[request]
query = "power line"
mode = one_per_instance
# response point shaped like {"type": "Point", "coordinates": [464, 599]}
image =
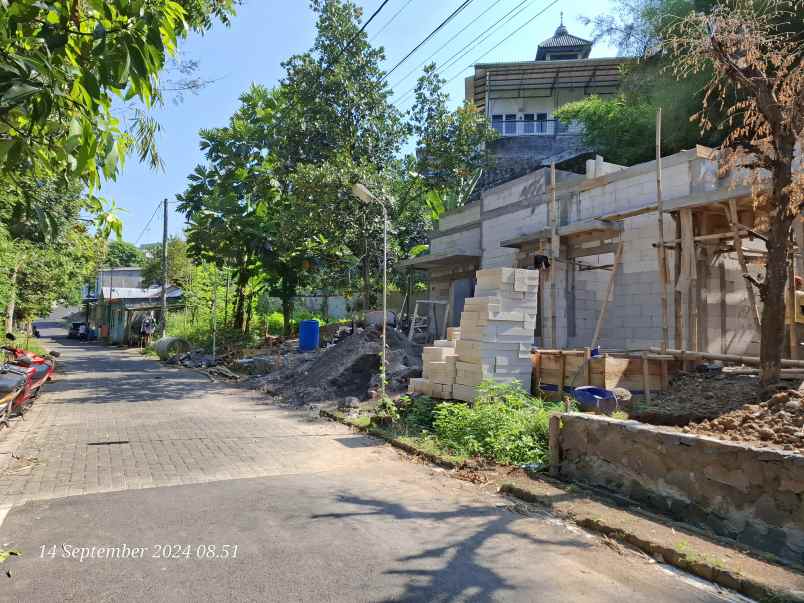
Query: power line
{"type": "Point", "coordinates": [468, 48]}
{"type": "Point", "coordinates": [429, 36]}
{"type": "Point", "coordinates": [389, 21]}
{"type": "Point", "coordinates": [360, 31]}
{"type": "Point", "coordinates": [484, 35]}
{"type": "Point", "coordinates": [501, 42]}
{"type": "Point", "coordinates": [419, 66]}
{"type": "Point", "coordinates": [156, 209]}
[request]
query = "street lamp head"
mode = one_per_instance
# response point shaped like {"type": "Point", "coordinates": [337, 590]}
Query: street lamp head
{"type": "Point", "coordinates": [364, 194]}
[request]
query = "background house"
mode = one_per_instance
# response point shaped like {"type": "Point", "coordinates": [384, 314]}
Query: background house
{"type": "Point", "coordinates": [521, 98]}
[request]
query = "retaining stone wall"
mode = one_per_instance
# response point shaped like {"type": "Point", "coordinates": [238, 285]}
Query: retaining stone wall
{"type": "Point", "coordinates": [753, 495]}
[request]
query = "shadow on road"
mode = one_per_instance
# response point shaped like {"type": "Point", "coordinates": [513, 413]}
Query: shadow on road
{"type": "Point", "coordinates": [462, 576]}
{"type": "Point", "coordinates": [99, 374]}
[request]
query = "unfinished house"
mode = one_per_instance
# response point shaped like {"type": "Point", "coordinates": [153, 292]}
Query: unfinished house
{"type": "Point", "coordinates": [595, 240]}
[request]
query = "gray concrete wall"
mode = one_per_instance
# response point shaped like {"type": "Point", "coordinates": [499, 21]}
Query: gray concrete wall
{"type": "Point", "coordinates": [752, 495]}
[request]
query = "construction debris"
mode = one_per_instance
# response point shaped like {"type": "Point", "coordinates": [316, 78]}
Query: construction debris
{"type": "Point", "coordinates": [493, 341]}
{"type": "Point", "coordinates": [347, 368]}
{"type": "Point", "coordinates": [778, 422]}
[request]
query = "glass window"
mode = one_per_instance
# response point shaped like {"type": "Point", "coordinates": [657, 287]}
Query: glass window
{"type": "Point", "coordinates": [510, 123]}
{"type": "Point", "coordinates": [541, 127]}
{"type": "Point", "coordinates": [528, 125]}
{"type": "Point", "coordinates": [497, 123]}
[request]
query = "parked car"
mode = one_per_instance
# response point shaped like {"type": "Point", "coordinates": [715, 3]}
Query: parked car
{"type": "Point", "coordinates": [75, 329]}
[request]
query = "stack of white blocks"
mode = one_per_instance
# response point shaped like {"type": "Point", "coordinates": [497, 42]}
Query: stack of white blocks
{"type": "Point", "coordinates": [497, 328]}
{"type": "Point", "coordinates": [493, 341]}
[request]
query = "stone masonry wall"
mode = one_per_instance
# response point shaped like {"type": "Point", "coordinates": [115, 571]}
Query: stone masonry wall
{"type": "Point", "coordinates": [752, 495]}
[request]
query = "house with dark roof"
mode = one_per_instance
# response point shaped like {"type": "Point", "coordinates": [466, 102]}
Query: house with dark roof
{"type": "Point", "coordinates": [521, 99]}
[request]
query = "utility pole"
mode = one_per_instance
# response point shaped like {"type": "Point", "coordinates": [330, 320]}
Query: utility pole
{"type": "Point", "coordinates": [164, 267]}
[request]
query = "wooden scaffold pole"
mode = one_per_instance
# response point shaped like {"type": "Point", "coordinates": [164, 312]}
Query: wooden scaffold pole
{"type": "Point", "coordinates": [662, 252]}
{"type": "Point", "coordinates": [731, 216]}
{"type": "Point", "coordinates": [555, 245]}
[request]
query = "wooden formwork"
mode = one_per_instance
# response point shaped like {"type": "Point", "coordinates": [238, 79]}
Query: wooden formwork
{"type": "Point", "coordinates": [561, 370]}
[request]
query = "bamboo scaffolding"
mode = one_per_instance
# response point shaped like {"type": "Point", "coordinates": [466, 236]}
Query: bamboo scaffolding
{"type": "Point", "coordinates": [555, 244]}
{"type": "Point", "coordinates": [737, 359]}
{"type": "Point", "coordinates": [609, 290]}
{"type": "Point", "coordinates": [731, 216]}
{"type": "Point", "coordinates": [662, 252]}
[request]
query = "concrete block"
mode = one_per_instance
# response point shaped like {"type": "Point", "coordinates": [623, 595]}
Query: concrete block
{"type": "Point", "coordinates": [465, 393]}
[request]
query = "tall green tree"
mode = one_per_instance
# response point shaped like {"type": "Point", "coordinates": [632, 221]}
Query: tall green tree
{"type": "Point", "coordinates": [340, 127]}
{"type": "Point", "coordinates": [451, 146]}
{"type": "Point", "coordinates": [122, 253]}
{"type": "Point", "coordinates": [179, 264]}
{"type": "Point", "coordinates": [621, 128]}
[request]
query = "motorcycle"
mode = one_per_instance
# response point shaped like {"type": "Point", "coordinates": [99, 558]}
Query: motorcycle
{"type": "Point", "coordinates": [22, 376]}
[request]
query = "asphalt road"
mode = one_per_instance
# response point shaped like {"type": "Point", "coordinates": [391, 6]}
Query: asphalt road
{"type": "Point", "coordinates": [138, 482]}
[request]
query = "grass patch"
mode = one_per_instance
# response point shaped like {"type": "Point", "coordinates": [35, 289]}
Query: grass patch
{"type": "Point", "coordinates": [505, 424]}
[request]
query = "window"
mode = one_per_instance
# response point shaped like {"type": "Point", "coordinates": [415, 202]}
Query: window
{"type": "Point", "coordinates": [497, 123]}
{"type": "Point", "coordinates": [510, 124]}
{"type": "Point", "coordinates": [528, 127]}
{"type": "Point", "coordinates": [541, 118]}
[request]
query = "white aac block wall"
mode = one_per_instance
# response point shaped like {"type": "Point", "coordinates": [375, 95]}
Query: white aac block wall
{"type": "Point", "coordinates": [460, 242]}
{"type": "Point", "coordinates": [508, 226]}
{"type": "Point", "coordinates": [460, 217]}
{"type": "Point", "coordinates": [630, 193]}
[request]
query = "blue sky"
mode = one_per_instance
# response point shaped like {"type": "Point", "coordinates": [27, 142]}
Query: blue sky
{"type": "Point", "coordinates": [266, 32]}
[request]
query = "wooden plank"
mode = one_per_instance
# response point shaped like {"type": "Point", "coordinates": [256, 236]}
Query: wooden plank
{"type": "Point", "coordinates": [731, 216]}
{"type": "Point", "coordinates": [660, 213]}
{"type": "Point", "coordinates": [645, 380]}
{"type": "Point", "coordinates": [555, 243]}
{"type": "Point", "coordinates": [723, 308]}
{"type": "Point", "coordinates": [678, 319]}
{"type": "Point", "coordinates": [609, 290]}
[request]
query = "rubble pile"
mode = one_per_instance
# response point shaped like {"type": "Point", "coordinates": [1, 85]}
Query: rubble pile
{"type": "Point", "coordinates": [349, 368]}
{"type": "Point", "coordinates": [695, 396]}
{"type": "Point", "coordinates": [777, 422]}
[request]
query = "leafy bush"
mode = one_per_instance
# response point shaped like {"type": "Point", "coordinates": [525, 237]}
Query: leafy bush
{"type": "Point", "coordinates": [505, 424]}
{"type": "Point", "coordinates": [418, 412]}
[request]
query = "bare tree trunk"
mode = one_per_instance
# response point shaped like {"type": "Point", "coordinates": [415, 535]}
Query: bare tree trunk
{"type": "Point", "coordinates": [773, 289]}
{"type": "Point", "coordinates": [240, 306]}
{"type": "Point", "coordinates": [287, 313]}
{"type": "Point", "coordinates": [249, 311]}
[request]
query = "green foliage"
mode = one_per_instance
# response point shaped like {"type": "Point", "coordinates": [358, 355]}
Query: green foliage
{"type": "Point", "coordinates": [418, 412]}
{"type": "Point", "coordinates": [123, 253]}
{"type": "Point", "coordinates": [504, 424]}
{"type": "Point", "coordinates": [179, 266]}
{"type": "Point", "coordinates": [451, 148]}
{"type": "Point", "coordinates": [616, 128]}
{"type": "Point", "coordinates": [61, 66]}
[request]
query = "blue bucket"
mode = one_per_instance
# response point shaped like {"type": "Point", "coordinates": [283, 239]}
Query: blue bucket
{"type": "Point", "coordinates": [595, 398]}
{"type": "Point", "coordinates": [309, 335]}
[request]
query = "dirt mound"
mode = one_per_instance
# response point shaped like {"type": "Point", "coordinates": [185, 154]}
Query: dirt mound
{"type": "Point", "coordinates": [349, 368]}
{"type": "Point", "coordinates": [778, 422]}
{"type": "Point", "coordinates": [693, 397]}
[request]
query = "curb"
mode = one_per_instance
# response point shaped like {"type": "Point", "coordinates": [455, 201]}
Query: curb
{"type": "Point", "coordinates": [700, 568]}
{"type": "Point", "coordinates": [429, 456]}
{"type": "Point", "coordinates": [731, 580]}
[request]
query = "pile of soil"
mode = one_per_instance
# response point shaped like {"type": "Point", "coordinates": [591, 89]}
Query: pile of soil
{"type": "Point", "coordinates": [778, 422]}
{"type": "Point", "coordinates": [694, 397]}
{"type": "Point", "coordinates": [349, 368]}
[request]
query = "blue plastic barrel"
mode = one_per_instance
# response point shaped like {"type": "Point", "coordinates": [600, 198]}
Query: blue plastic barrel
{"type": "Point", "coordinates": [594, 398]}
{"type": "Point", "coordinates": [309, 335]}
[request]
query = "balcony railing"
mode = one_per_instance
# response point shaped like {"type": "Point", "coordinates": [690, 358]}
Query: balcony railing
{"type": "Point", "coordinates": [543, 127]}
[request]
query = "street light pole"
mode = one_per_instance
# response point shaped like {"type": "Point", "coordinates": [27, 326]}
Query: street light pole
{"type": "Point", "coordinates": [362, 193]}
